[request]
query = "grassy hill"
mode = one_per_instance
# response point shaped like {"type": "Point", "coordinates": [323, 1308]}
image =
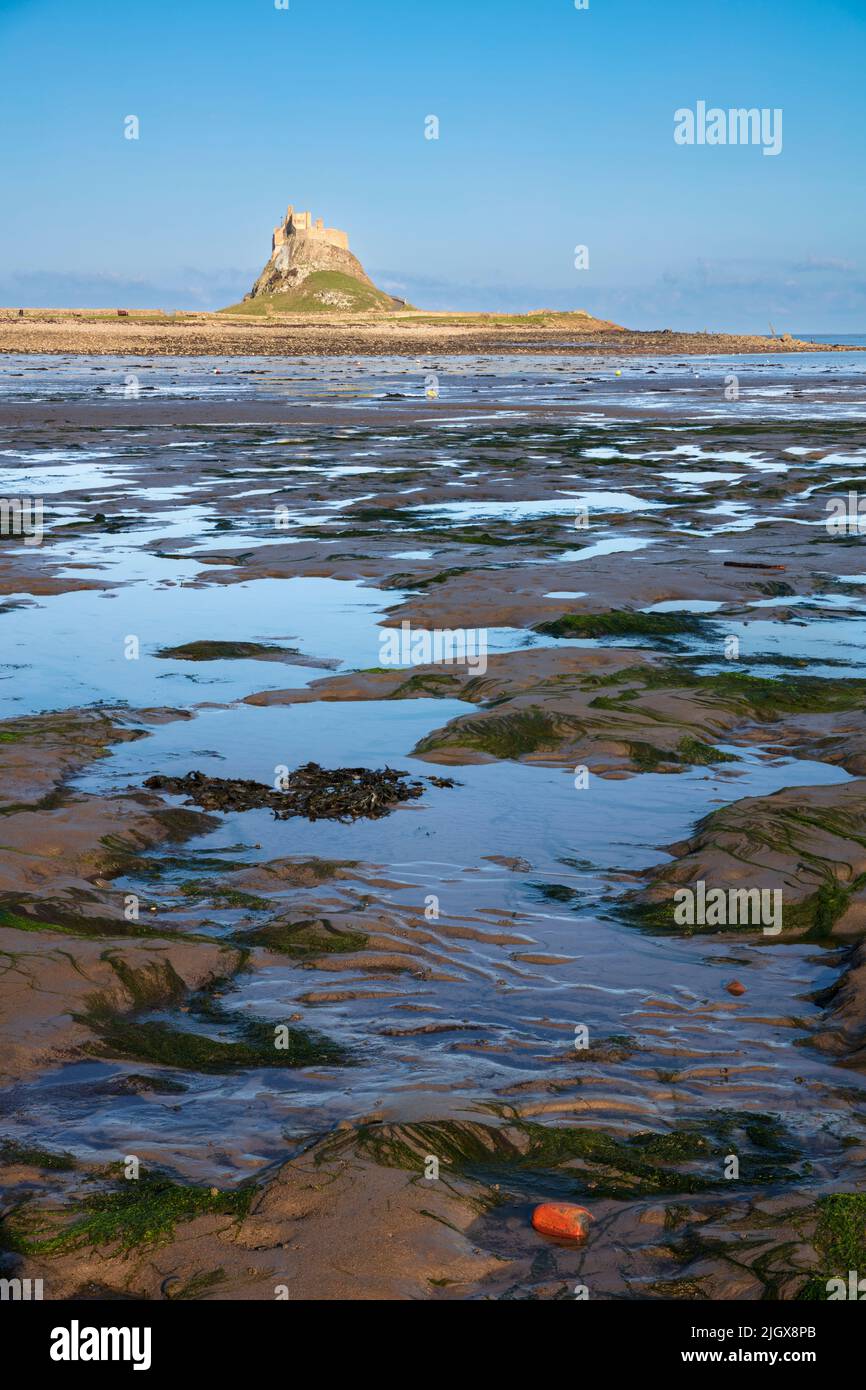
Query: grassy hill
{"type": "Point", "coordinates": [323, 291]}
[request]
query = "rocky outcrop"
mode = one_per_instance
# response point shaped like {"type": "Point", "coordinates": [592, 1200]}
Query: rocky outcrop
{"type": "Point", "coordinates": [302, 247]}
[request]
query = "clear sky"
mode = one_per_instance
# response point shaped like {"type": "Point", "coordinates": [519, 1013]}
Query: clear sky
{"type": "Point", "coordinates": [556, 130]}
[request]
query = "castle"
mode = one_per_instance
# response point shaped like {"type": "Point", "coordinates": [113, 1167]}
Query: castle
{"type": "Point", "coordinates": [302, 224]}
{"type": "Point", "coordinates": [314, 262]}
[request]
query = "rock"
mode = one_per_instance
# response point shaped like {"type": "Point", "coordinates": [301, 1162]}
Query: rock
{"type": "Point", "coordinates": [306, 250]}
{"type": "Point", "coordinates": [565, 1220]}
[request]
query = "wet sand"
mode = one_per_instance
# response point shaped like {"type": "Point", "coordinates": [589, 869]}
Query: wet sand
{"type": "Point", "coordinates": [672, 691]}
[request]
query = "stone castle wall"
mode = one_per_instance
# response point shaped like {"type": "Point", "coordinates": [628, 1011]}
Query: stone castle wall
{"type": "Point", "coordinates": [302, 224]}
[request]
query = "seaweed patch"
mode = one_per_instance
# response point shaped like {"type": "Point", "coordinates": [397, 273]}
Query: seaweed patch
{"type": "Point", "coordinates": [311, 791]}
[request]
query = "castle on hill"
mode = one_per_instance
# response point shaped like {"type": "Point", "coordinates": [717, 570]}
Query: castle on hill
{"type": "Point", "coordinates": [302, 224]}
{"type": "Point", "coordinates": [314, 261]}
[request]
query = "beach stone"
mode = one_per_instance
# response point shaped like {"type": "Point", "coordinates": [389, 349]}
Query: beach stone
{"type": "Point", "coordinates": [565, 1220]}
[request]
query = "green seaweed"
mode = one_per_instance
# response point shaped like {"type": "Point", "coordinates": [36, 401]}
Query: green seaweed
{"type": "Point", "coordinates": [159, 1044]}
{"type": "Point", "coordinates": [223, 897]}
{"type": "Point", "coordinates": [765, 697]}
{"type": "Point", "coordinates": [224, 651]}
{"type": "Point", "coordinates": [70, 924]}
{"type": "Point", "coordinates": [32, 1157]}
{"type": "Point", "coordinates": [307, 937]}
{"type": "Point", "coordinates": [840, 1240]}
{"type": "Point", "coordinates": [137, 1213]}
{"type": "Point", "coordinates": [620, 622]}
{"type": "Point", "coordinates": [587, 1160]}
{"type": "Point", "coordinates": [148, 986]}
{"type": "Point", "coordinates": [257, 1043]}
{"type": "Point", "coordinates": [817, 914]}
{"type": "Point", "coordinates": [700, 754]}
{"type": "Point", "coordinates": [428, 683]}
{"type": "Point", "coordinates": [505, 735]}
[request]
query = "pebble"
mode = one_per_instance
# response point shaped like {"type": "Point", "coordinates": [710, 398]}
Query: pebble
{"type": "Point", "coordinates": [563, 1219]}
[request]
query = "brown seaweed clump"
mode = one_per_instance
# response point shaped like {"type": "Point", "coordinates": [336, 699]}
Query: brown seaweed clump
{"type": "Point", "coordinates": [317, 793]}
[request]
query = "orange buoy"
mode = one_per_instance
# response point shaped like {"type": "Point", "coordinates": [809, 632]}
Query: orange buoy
{"type": "Point", "coordinates": [735, 987]}
{"type": "Point", "coordinates": [563, 1219]}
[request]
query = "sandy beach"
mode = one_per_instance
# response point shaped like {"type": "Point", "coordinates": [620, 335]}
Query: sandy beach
{"type": "Point", "coordinates": [451, 1007]}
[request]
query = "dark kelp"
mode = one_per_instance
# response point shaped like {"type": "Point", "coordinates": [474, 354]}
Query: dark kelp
{"type": "Point", "coordinates": [317, 793]}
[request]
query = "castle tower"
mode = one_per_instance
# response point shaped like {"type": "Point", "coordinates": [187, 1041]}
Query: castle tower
{"type": "Point", "coordinates": [301, 246]}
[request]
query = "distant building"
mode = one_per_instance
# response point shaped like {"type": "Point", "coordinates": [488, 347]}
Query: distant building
{"type": "Point", "coordinates": [302, 224]}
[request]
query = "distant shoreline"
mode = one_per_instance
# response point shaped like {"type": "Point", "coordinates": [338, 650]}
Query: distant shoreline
{"type": "Point", "coordinates": [154, 334]}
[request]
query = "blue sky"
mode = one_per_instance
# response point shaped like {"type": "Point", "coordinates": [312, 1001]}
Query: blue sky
{"type": "Point", "coordinates": [556, 129]}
